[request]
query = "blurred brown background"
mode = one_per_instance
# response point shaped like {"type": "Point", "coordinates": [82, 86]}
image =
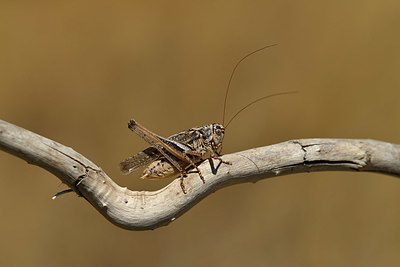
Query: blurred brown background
{"type": "Point", "coordinates": [77, 71]}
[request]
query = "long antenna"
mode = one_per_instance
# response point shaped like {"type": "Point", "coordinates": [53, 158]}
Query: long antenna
{"type": "Point", "coordinates": [231, 77]}
{"type": "Point", "coordinates": [255, 101]}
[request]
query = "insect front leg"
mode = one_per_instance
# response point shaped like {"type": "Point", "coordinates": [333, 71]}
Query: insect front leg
{"type": "Point", "coordinates": [215, 155]}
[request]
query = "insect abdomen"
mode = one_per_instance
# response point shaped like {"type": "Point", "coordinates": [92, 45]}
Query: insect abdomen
{"type": "Point", "coordinates": [161, 169]}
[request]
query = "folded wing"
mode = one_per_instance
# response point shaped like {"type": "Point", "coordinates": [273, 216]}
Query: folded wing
{"type": "Point", "coordinates": [138, 160]}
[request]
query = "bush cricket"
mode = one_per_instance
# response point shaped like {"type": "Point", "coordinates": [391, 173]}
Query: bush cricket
{"type": "Point", "coordinates": [169, 156]}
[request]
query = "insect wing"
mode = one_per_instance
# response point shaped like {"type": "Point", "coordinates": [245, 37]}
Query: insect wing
{"type": "Point", "coordinates": [136, 161]}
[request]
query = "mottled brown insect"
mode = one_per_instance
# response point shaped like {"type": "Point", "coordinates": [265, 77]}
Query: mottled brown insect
{"type": "Point", "coordinates": [169, 156]}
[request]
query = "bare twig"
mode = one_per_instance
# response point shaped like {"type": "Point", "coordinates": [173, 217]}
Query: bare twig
{"type": "Point", "coordinates": [144, 210]}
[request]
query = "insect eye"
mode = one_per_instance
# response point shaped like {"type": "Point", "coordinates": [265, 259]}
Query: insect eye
{"type": "Point", "coordinates": [218, 131]}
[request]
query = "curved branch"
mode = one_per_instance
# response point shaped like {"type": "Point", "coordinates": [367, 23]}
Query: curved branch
{"type": "Point", "coordinates": [145, 210]}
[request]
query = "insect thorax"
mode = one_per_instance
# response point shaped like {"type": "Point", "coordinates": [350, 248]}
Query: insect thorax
{"type": "Point", "coordinates": [207, 138]}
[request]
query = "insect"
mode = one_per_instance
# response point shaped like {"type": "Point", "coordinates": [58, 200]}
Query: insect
{"type": "Point", "coordinates": [177, 153]}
